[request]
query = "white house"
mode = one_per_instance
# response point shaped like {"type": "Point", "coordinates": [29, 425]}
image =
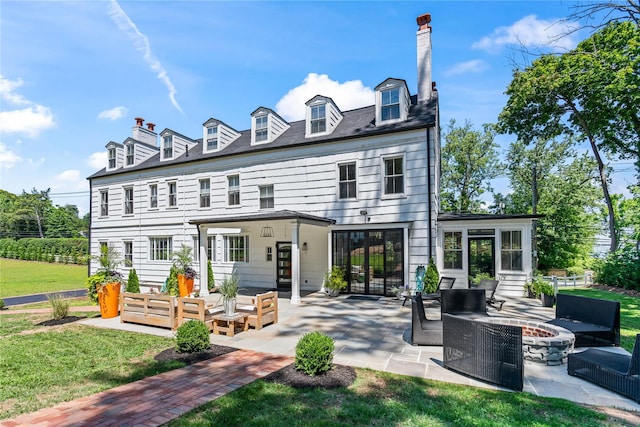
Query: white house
{"type": "Point", "coordinates": [280, 203]}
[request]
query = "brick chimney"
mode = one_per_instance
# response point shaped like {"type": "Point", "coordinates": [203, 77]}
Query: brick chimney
{"type": "Point", "coordinates": [423, 39]}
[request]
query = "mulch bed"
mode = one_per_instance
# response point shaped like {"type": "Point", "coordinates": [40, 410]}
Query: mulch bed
{"type": "Point", "coordinates": [190, 358]}
{"type": "Point", "coordinates": [623, 291]}
{"type": "Point", "coordinates": [58, 322]}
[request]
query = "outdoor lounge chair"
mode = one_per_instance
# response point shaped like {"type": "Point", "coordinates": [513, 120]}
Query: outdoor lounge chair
{"type": "Point", "coordinates": [445, 283]}
{"type": "Point", "coordinates": [490, 287]}
{"type": "Point", "coordinates": [615, 371]}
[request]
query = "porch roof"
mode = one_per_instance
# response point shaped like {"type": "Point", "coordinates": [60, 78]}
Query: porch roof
{"type": "Point", "coordinates": [450, 216]}
{"type": "Point", "coordinates": [267, 216]}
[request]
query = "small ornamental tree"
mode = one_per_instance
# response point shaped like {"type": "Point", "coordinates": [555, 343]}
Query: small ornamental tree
{"type": "Point", "coordinates": [431, 278]}
{"type": "Point", "coordinates": [211, 284]}
{"type": "Point", "coordinates": [133, 284]}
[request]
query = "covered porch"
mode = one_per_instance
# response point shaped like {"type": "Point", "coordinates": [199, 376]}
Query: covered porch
{"type": "Point", "coordinates": [283, 250]}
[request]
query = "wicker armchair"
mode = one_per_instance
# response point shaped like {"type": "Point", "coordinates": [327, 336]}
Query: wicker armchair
{"type": "Point", "coordinates": [617, 372]}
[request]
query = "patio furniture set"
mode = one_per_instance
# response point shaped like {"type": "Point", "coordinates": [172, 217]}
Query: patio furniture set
{"type": "Point", "coordinates": [493, 349]}
{"type": "Point", "coordinates": [171, 312]}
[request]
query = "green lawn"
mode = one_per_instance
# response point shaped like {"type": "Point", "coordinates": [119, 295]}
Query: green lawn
{"type": "Point", "coordinates": [31, 277]}
{"type": "Point", "coordinates": [629, 312]}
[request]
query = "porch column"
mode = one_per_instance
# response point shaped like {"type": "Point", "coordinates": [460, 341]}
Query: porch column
{"type": "Point", "coordinates": [295, 263]}
{"type": "Point", "coordinates": [202, 248]}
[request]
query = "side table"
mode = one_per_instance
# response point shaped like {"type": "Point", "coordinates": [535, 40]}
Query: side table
{"type": "Point", "coordinates": [227, 324]}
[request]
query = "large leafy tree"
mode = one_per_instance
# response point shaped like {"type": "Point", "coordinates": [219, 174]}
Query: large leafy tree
{"type": "Point", "coordinates": [469, 163]}
{"type": "Point", "coordinates": [591, 92]}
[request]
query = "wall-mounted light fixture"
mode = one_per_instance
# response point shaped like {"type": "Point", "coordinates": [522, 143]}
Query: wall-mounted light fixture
{"type": "Point", "coordinates": [364, 214]}
{"type": "Point", "coordinates": [266, 231]}
{"type": "Point", "coordinates": [305, 246]}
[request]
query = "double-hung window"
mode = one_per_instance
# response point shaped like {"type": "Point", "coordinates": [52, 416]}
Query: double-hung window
{"type": "Point", "coordinates": [394, 175]}
{"type": "Point", "coordinates": [128, 200]}
{"type": "Point", "coordinates": [453, 250]}
{"type": "Point", "coordinates": [173, 194]}
{"type": "Point", "coordinates": [112, 158]}
{"type": "Point", "coordinates": [104, 203]}
{"type": "Point", "coordinates": [318, 119]}
{"type": "Point", "coordinates": [262, 128]}
{"type": "Point", "coordinates": [212, 138]}
{"type": "Point", "coordinates": [266, 197]}
{"type": "Point", "coordinates": [234, 190]}
{"type": "Point", "coordinates": [236, 248]}
{"type": "Point", "coordinates": [205, 193]}
{"type": "Point", "coordinates": [511, 250]}
{"type": "Point", "coordinates": [128, 252]}
{"type": "Point", "coordinates": [347, 180]}
{"type": "Point", "coordinates": [153, 195]}
{"type": "Point", "coordinates": [130, 154]}
{"type": "Point", "coordinates": [167, 146]}
{"type": "Point", "coordinates": [390, 104]}
{"type": "Point", "coordinates": [160, 248]}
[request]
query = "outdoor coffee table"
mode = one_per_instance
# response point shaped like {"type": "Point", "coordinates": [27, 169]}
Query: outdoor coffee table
{"type": "Point", "coordinates": [227, 324]}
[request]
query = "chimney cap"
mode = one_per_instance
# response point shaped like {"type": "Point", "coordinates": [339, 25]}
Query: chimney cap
{"type": "Point", "coordinates": [139, 121]}
{"type": "Point", "coordinates": [423, 21]}
{"type": "Point", "coordinates": [151, 126]}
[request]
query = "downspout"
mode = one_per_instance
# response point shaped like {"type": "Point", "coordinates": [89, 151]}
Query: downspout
{"type": "Point", "coordinates": [89, 230]}
{"type": "Point", "coordinates": [429, 231]}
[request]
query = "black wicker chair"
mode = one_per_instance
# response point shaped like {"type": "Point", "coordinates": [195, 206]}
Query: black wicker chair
{"type": "Point", "coordinates": [444, 283]}
{"type": "Point", "coordinates": [617, 372]}
{"type": "Point", "coordinates": [488, 352]}
{"type": "Point", "coordinates": [490, 286]}
{"type": "Point", "coordinates": [423, 330]}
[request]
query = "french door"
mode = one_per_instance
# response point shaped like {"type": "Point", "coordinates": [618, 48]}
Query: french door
{"type": "Point", "coordinates": [283, 266]}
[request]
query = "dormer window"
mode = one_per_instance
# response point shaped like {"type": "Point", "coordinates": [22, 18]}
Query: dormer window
{"type": "Point", "coordinates": [390, 104]}
{"type": "Point", "coordinates": [112, 157]}
{"type": "Point", "coordinates": [167, 147]}
{"type": "Point", "coordinates": [318, 119]}
{"type": "Point", "coordinates": [130, 155]}
{"type": "Point", "coordinates": [262, 128]}
{"type": "Point", "coordinates": [212, 138]}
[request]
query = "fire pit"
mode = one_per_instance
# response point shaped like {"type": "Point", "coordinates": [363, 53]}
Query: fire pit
{"type": "Point", "coordinates": [541, 342]}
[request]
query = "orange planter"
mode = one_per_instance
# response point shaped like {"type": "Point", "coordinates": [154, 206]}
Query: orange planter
{"type": "Point", "coordinates": [109, 300]}
{"type": "Point", "coordinates": [185, 285]}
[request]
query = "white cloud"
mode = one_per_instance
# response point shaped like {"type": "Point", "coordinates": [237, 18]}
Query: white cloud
{"type": "Point", "coordinates": [29, 121]}
{"type": "Point", "coordinates": [347, 95]}
{"type": "Point", "coordinates": [71, 175]}
{"type": "Point", "coordinates": [114, 113]}
{"type": "Point", "coordinates": [531, 32]}
{"type": "Point", "coordinates": [98, 160]}
{"type": "Point", "coordinates": [141, 42]}
{"type": "Point", "coordinates": [8, 158]}
{"type": "Point", "coordinates": [473, 66]}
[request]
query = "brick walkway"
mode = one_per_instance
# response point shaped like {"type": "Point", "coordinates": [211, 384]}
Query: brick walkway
{"type": "Point", "coordinates": [159, 399]}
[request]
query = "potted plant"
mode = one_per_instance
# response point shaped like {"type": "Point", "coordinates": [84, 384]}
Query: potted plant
{"type": "Point", "coordinates": [182, 260]}
{"type": "Point", "coordinates": [546, 294]}
{"type": "Point", "coordinates": [334, 281]}
{"type": "Point", "coordinates": [229, 291]}
{"type": "Point", "coordinates": [529, 289]}
{"type": "Point", "coordinates": [107, 281]}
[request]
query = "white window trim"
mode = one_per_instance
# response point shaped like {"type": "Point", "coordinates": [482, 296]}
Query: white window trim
{"type": "Point", "coordinates": [162, 151]}
{"type": "Point", "coordinates": [177, 204]}
{"type": "Point", "coordinates": [153, 184]}
{"type": "Point", "coordinates": [461, 250]}
{"type": "Point", "coordinates": [200, 193]}
{"type": "Point", "coordinates": [522, 251]}
{"type": "Point", "coordinates": [128, 262]}
{"type": "Point", "coordinates": [101, 192]}
{"type": "Point", "coordinates": [346, 162]}
{"type": "Point", "coordinates": [239, 204]}
{"type": "Point", "coordinates": [133, 155]}
{"type": "Point", "coordinates": [207, 138]}
{"type": "Point", "coordinates": [383, 195]}
{"type": "Point", "coordinates": [169, 248]}
{"type": "Point", "coordinates": [124, 200]}
{"type": "Point", "coordinates": [254, 131]}
{"type": "Point", "coordinates": [110, 158]}
{"type": "Point", "coordinates": [273, 196]}
{"type": "Point", "coordinates": [226, 249]}
{"type": "Point", "coordinates": [402, 94]}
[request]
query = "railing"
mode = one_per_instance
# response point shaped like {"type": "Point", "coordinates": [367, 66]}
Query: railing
{"type": "Point", "coordinates": [557, 281]}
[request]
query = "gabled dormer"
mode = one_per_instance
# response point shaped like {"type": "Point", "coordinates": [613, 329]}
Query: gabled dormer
{"type": "Point", "coordinates": [322, 116]}
{"type": "Point", "coordinates": [173, 145]}
{"type": "Point", "coordinates": [216, 135]}
{"type": "Point", "coordinates": [266, 126]}
{"type": "Point", "coordinates": [115, 155]}
{"type": "Point", "coordinates": [392, 102]}
{"type": "Point", "coordinates": [136, 152]}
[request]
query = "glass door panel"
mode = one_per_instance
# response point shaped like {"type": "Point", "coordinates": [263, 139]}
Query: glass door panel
{"type": "Point", "coordinates": [283, 266]}
{"type": "Point", "coordinates": [482, 256]}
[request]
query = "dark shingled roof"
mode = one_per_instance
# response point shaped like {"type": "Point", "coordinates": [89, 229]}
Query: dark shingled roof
{"type": "Point", "coordinates": [276, 215]}
{"type": "Point", "coordinates": [355, 124]}
{"type": "Point", "coordinates": [450, 216]}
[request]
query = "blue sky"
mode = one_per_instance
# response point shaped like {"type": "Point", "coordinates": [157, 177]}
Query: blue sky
{"type": "Point", "coordinates": [74, 75]}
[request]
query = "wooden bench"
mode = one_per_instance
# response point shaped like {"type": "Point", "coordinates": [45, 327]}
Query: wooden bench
{"type": "Point", "coordinates": [262, 311]}
{"type": "Point", "coordinates": [148, 309]}
{"type": "Point", "coordinates": [196, 309]}
{"type": "Point", "coordinates": [593, 321]}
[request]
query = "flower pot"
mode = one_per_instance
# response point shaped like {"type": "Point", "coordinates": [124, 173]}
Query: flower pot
{"type": "Point", "coordinates": [547, 300]}
{"type": "Point", "coordinates": [185, 285]}
{"type": "Point", "coordinates": [109, 299]}
{"type": "Point", "coordinates": [333, 292]}
{"type": "Point", "coordinates": [229, 306]}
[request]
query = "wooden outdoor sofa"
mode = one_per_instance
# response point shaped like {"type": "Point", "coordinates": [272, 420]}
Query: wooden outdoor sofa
{"type": "Point", "coordinates": [594, 322]}
{"type": "Point", "coordinates": [148, 309]}
{"type": "Point", "coordinates": [617, 372]}
{"type": "Point", "coordinates": [263, 309]}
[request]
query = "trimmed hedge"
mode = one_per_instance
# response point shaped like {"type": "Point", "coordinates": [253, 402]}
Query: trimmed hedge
{"type": "Point", "coordinates": [63, 250]}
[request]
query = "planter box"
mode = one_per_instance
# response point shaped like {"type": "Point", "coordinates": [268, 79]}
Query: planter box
{"type": "Point", "coordinates": [148, 309]}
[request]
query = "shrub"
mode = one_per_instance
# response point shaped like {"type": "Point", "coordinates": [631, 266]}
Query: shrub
{"type": "Point", "coordinates": [192, 336]}
{"type": "Point", "coordinates": [314, 353]}
{"type": "Point", "coordinates": [60, 306]}
{"type": "Point", "coordinates": [620, 269]}
{"type": "Point", "coordinates": [211, 284]}
{"type": "Point", "coordinates": [2, 304]}
{"type": "Point", "coordinates": [92, 284]}
{"type": "Point", "coordinates": [133, 284]}
{"type": "Point", "coordinates": [431, 278]}
{"type": "Point", "coordinates": [171, 284]}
